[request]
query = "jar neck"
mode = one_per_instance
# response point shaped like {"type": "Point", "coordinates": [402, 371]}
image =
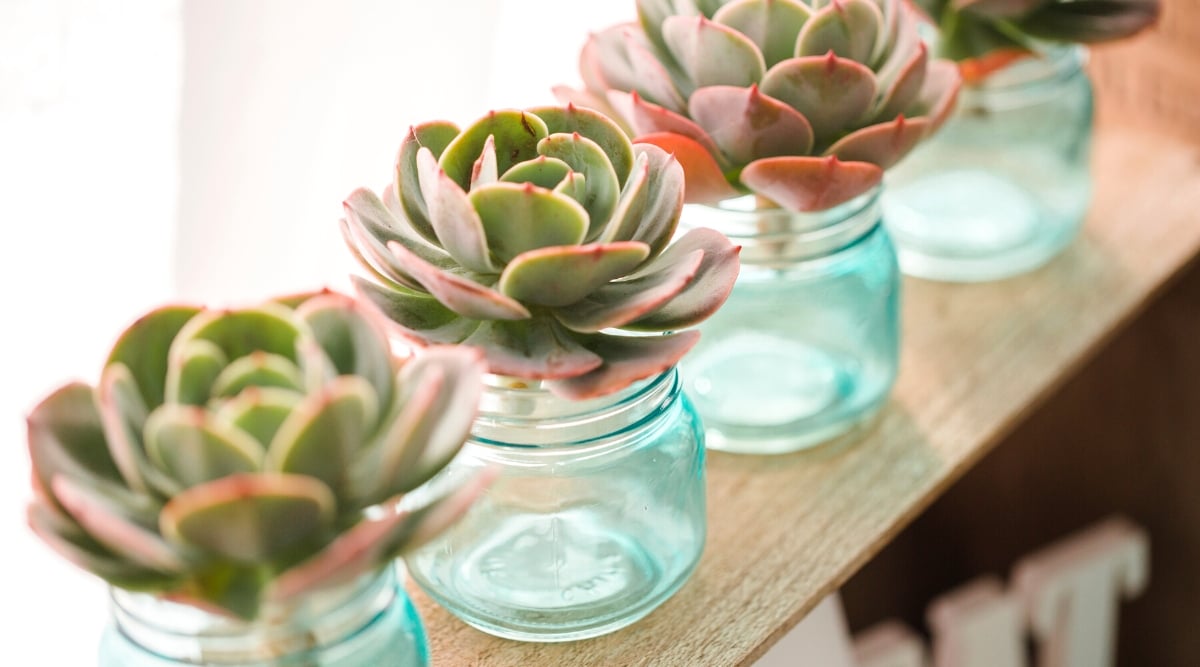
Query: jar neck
{"type": "Point", "coordinates": [1028, 80]}
{"type": "Point", "coordinates": [525, 414]}
{"type": "Point", "coordinates": [190, 635]}
{"type": "Point", "coordinates": [777, 237]}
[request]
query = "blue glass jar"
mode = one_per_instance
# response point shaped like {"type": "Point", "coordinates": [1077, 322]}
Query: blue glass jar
{"type": "Point", "coordinates": [1004, 186]}
{"type": "Point", "coordinates": [806, 348]}
{"type": "Point", "coordinates": [370, 623]}
{"type": "Point", "coordinates": [597, 515]}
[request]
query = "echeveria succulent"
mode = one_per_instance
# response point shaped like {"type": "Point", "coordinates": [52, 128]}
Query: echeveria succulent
{"type": "Point", "coordinates": [533, 235]}
{"type": "Point", "coordinates": [236, 458]}
{"type": "Point", "coordinates": [984, 35]}
{"type": "Point", "coordinates": [803, 104]}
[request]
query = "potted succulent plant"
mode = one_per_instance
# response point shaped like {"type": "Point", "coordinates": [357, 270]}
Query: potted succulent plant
{"type": "Point", "coordinates": [784, 115]}
{"type": "Point", "coordinates": [542, 238]}
{"type": "Point", "coordinates": [1005, 187]}
{"type": "Point", "coordinates": [235, 476]}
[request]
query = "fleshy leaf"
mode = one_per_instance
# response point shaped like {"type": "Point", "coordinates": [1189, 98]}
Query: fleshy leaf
{"type": "Point", "coordinates": [66, 437]}
{"type": "Point", "coordinates": [325, 433]}
{"type": "Point", "coordinates": [143, 348]}
{"type": "Point", "coordinates": [257, 369]}
{"type": "Point", "coordinates": [810, 183]}
{"type": "Point", "coordinates": [454, 220]}
{"type": "Point", "coordinates": [883, 145]}
{"type": "Point", "coordinates": [648, 118]}
{"type": "Point", "coordinates": [442, 387]}
{"type": "Point", "coordinates": [124, 529]}
{"type": "Point", "coordinates": [649, 208]}
{"type": "Point", "coordinates": [189, 446]}
{"type": "Point", "coordinates": [250, 518]}
{"type": "Point", "coordinates": [537, 276]}
{"type": "Point", "coordinates": [600, 181]}
{"type": "Point", "coordinates": [628, 62]}
{"type": "Point", "coordinates": [421, 314]}
{"type": "Point", "coordinates": [831, 92]}
{"type": "Point", "coordinates": [747, 125]}
{"type": "Point", "coordinates": [194, 368]}
{"type": "Point", "coordinates": [486, 169]}
{"type": "Point", "coordinates": [706, 292]}
{"type": "Point", "coordinates": [435, 136]}
{"type": "Point", "coordinates": [522, 217]}
{"type": "Point", "coordinates": [705, 182]}
{"type": "Point", "coordinates": [848, 28]}
{"type": "Point", "coordinates": [627, 359]}
{"type": "Point", "coordinates": [595, 126]}
{"type": "Point", "coordinates": [94, 559]}
{"type": "Point", "coordinates": [772, 24]}
{"type": "Point", "coordinates": [619, 303]}
{"type": "Point", "coordinates": [462, 295]}
{"type": "Point", "coordinates": [712, 54]}
{"type": "Point", "coordinates": [123, 414]}
{"type": "Point", "coordinates": [373, 542]}
{"type": "Point", "coordinates": [542, 171]}
{"type": "Point", "coordinates": [268, 328]}
{"type": "Point", "coordinates": [353, 340]}
{"type": "Point", "coordinates": [374, 227]}
{"type": "Point", "coordinates": [1090, 21]}
{"type": "Point", "coordinates": [536, 348]}
{"type": "Point", "coordinates": [516, 135]}
{"type": "Point", "coordinates": [259, 411]}
{"type": "Point", "coordinates": [938, 95]}
{"type": "Point", "coordinates": [907, 86]}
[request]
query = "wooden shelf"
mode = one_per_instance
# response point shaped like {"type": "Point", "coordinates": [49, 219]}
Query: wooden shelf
{"type": "Point", "coordinates": [786, 531]}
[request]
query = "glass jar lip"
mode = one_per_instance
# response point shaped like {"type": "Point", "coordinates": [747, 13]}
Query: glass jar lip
{"type": "Point", "coordinates": [547, 422]}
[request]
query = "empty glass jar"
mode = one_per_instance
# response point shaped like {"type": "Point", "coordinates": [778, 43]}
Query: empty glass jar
{"type": "Point", "coordinates": [596, 518]}
{"type": "Point", "coordinates": [1004, 186]}
{"type": "Point", "coordinates": [807, 346]}
{"type": "Point", "coordinates": [369, 623]}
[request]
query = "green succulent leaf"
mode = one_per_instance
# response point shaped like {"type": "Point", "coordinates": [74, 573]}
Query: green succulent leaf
{"type": "Point", "coordinates": [538, 347]}
{"type": "Point", "coordinates": [848, 28]}
{"type": "Point", "coordinates": [194, 368]}
{"type": "Point", "coordinates": [238, 333]}
{"type": "Point", "coordinates": [144, 347]}
{"type": "Point", "coordinates": [618, 303]}
{"type": "Point", "coordinates": [648, 210]}
{"type": "Point", "coordinates": [713, 54]}
{"type": "Point", "coordinates": [123, 415]}
{"type": "Point", "coordinates": [258, 369]}
{"type": "Point", "coordinates": [519, 218]}
{"type": "Point", "coordinates": [325, 433]}
{"type": "Point", "coordinates": [771, 24]}
{"type": "Point", "coordinates": [602, 185]}
{"type": "Point", "coordinates": [250, 518]}
{"type": "Point", "coordinates": [707, 290]}
{"type": "Point", "coordinates": [627, 359]}
{"type": "Point", "coordinates": [536, 276]}
{"type": "Point", "coordinates": [119, 520]}
{"type": "Point", "coordinates": [435, 136]}
{"type": "Point", "coordinates": [542, 171]}
{"type": "Point", "coordinates": [831, 92]}
{"type": "Point", "coordinates": [259, 411]}
{"type": "Point", "coordinates": [353, 341]}
{"type": "Point", "coordinates": [417, 312]}
{"type": "Point", "coordinates": [747, 125]}
{"type": "Point", "coordinates": [596, 127]}
{"type": "Point", "coordinates": [516, 135]}
{"type": "Point", "coordinates": [192, 447]}
{"type": "Point", "coordinates": [455, 222]}
{"type": "Point", "coordinates": [461, 294]}
{"type": "Point", "coordinates": [66, 437]}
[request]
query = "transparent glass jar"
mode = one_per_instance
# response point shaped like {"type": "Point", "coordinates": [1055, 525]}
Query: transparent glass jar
{"type": "Point", "coordinates": [806, 348]}
{"type": "Point", "coordinates": [1004, 186]}
{"type": "Point", "coordinates": [370, 623]}
{"type": "Point", "coordinates": [596, 518]}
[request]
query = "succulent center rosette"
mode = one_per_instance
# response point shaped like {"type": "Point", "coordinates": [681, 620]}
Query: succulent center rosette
{"type": "Point", "coordinates": [985, 35]}
{"type": "Point", "coordinates": [802, 104]}
{"type": "Point", "coordinates": [540, 237]}
{"type": "Point", "coordinates": [237, 459]}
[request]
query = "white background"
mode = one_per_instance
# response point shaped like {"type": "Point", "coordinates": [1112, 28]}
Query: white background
{"type": "Point", "coordinates": [153, 150]}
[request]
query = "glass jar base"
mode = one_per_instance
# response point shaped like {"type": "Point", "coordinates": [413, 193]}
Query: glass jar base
{"type": "Point", "coordinates": [556, 578]}
{"type": "Point", "coordinates": [761, 394]}
{"type": "Point", "coordinates": [971, 225]}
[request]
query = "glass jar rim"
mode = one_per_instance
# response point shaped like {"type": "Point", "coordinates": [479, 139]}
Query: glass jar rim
{"type": "Point", "coordinates": [545, 421]}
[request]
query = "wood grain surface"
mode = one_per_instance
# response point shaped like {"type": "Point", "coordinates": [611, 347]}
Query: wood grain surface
{"type": "Point", "coordinates": [785, 531]}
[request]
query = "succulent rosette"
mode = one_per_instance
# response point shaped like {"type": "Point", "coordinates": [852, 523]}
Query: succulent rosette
{"type": "Point", "coordinates": [543, 238]}
{"type": "Point", "coordinates": [984, 35]}
{"type": "Point", "coordinates": [237, 459]}
{"type": "Point", "coordinates": [802, 104]}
